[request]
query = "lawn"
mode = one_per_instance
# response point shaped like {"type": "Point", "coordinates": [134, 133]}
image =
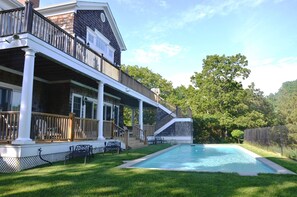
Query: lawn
{"type": "Point", "coordinates": [100, 177]}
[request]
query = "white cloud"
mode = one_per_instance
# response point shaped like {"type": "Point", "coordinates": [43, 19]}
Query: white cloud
{"type": "Point", "coordinates": [211, 8]}
{"type": "Point", "coordinates": [202, 10]}
{"type": "Point", "coordinates": [182, 78]}
{"type": "Point", "coordinates": [168, 49]}
{"type": "Point", "coordinates": [269, 74]}
{"type": "Point", "coordinates": [144, 57]}
{"type": "Point", "coordinates": [154, 53]}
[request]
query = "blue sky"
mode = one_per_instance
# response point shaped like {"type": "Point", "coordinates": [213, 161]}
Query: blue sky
{"type": "Point", "coordinates": [172, 37]}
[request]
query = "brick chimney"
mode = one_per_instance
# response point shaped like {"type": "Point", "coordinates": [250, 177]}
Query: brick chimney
{"type": "Point", "coordinates": [34, 2]}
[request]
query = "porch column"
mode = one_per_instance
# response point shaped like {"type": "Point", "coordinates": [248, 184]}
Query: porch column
{"type": "Point", "coordinates": [100, 105]}
{"type": "Point", "coordinates": [140, 119]}
{"type": "Point", "coordinates": [26, 99]}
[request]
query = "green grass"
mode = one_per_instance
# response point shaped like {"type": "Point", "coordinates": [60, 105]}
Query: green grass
{"type": "Point", "coordinates": [275, 157]}
{"type": "Point", "coordinates": [100, 177]}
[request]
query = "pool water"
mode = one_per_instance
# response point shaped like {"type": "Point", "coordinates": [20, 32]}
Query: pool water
{"type": "Point", "coordinates": [211, 158]}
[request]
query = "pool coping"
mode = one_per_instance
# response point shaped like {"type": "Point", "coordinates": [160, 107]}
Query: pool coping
{"type": "Point", "coordinates": [279, 169]}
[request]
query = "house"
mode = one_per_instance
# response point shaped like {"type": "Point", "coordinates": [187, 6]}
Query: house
{"type": "Point", "coordinates": [61, 84]}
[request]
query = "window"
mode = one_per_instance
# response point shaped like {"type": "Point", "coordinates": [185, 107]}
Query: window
{"type": "Point", "coordinates": [110, 53]}
{"type": "Point", "coordinates": [5, 99]}
{"type": "Point", "coordinates": [16, 100]}
{"type": "Point", "coordinates": [116, 114]}
{"type": "Point", "coordinates": [107, 111]}
{"type": "Point", "coordinates": [77, 105]}
{"type": "Point", "coordinates": [100, 43]}
{"type": "Point", "coordinates": [10, 97]}
{"type": "Point", "coordinates": [91, 38]}
{"type": "Point", "coordinates": [111, 112]}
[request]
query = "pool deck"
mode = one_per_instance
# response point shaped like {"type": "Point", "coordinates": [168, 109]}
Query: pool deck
{"type": "Point", "coordinates": [279, 169]}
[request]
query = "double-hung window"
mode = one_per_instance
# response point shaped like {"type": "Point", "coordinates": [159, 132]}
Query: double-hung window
{"type": "Point", "coordinates": [98, 42]}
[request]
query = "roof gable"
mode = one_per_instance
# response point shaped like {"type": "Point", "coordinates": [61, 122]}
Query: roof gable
{"type": "Point", "coordinates": [73, 6]}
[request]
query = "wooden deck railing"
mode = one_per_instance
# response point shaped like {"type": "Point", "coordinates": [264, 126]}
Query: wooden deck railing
{"type": "Point", "coordinates": [121, 134]}
{"type": "Point", "coordinates": [108, 129]}
{"type": "Point", "coordinates": [85, 129]}
{"type": "Point", "coordinates": [138, 133]}
{"type": "Point", "coordinates": [47, 127]}
{"type": "Point", "coordinates": [149, 129]}
{"type": "Point", "coordinates": [12, 22]}
{"type": "Point", "coordinates": [9, 125]}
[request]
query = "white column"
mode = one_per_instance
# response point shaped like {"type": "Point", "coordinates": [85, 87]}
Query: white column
{"type": "Point", "coordinates": [26, 99]}
{"type": "Point", "coordinates": [140, 119]}
{"type": "Point", "coordinates": [100, 105]}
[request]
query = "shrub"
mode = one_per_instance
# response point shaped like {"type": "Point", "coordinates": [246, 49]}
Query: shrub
{"type": "Point", "coordinates": [238, 134]}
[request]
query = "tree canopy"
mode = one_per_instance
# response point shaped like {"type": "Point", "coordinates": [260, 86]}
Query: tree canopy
{"type": "Point", "coordinates": [285, 102]}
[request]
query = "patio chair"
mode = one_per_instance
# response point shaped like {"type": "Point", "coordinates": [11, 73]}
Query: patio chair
{"type": "Point", "coordinates": [41, 127]}
{"type": "Point", "coordinates": [11, 127]}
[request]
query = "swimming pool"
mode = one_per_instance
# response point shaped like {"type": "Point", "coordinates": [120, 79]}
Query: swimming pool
{"type": "Point", "coordinates": [210, 158]}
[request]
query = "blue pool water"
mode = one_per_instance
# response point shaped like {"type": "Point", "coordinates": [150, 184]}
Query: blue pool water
{"type": "Point", "coordinates": [211, 158]}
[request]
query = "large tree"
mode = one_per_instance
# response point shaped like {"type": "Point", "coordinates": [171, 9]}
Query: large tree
{"type": "Point", "coordinates": [221, 103]}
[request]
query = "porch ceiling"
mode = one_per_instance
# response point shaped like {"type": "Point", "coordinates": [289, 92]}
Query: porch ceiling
{"type": "Point", "coordinates": [125, 99]}
{"type": "Point", "coordinates": [50, 70]}
{"type": "Point", "coordinates": [45, 68]}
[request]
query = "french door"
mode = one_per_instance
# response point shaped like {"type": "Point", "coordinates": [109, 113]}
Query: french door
{"type": "Point", "coordinates": [84, 107]}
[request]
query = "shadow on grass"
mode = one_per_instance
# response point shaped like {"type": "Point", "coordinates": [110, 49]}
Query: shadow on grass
{"type": "Point", "coordinates": [100, 177]}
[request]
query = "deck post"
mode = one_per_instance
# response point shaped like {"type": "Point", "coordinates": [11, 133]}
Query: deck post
{"type": "Point", "coordinates": [140, 119]}
{"type": "Point", "coordinates": [26, 99]}
{"type": "Point", "coordinates": [71, 125]}
{"type": "Point", "coordinates": [29, 16]}
{"type": "Point", "coordinates": [100, 105]}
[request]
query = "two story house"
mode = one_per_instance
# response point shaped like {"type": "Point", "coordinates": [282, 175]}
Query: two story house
{"type": "Point", "coordinates": [61, 84]}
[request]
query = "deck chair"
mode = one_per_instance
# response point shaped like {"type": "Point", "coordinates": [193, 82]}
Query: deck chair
{"type": "Point", "coordinates": [41, 127]}
{"type": "Point", "coordinates": [11, 127]}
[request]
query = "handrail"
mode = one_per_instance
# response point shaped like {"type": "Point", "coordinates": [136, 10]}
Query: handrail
{"type": "Point", "coordinates": [141, 132]}
{"type": "Point", "coordinates": [165, 120]}
{"type": "Point", "coordinates": [123, 137]}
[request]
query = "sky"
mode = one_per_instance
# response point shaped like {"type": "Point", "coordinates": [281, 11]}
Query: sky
{"type": "Point", "coordinates": [172, 37]}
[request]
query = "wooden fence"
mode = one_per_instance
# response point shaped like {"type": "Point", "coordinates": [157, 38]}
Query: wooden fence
{"type": "Point", "coordinates": [282, 139]}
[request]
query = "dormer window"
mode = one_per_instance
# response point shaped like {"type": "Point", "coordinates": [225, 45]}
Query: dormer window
{"type": "Point", "coordinates": [98, 42]}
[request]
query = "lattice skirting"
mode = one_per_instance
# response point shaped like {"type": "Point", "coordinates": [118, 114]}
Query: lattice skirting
{"type": "Point", "coordinates": [15, 164]}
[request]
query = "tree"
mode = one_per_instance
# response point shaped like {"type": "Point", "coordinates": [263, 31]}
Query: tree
{"type": "Point", "coordinates": [285, 102]}
{"type": "Point", "coordinates": [221, 98]}
{"type": "Point", "coordinates": [238, 134]}
{"type": "Point", "coordinates": [150, 79]}
{"type": "Point", "coordinates": [219, 90]}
